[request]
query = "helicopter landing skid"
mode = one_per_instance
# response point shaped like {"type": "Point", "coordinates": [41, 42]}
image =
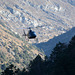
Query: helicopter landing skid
{"type": "Point", "coordinates": [29, 40]}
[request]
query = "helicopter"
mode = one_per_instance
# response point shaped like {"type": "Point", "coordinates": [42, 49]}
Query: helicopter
{"type": "Point", "coordinates": [31, 34]}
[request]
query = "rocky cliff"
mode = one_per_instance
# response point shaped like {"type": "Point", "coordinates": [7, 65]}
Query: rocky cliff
{"type": "Point", "coordinates": [48, 18]}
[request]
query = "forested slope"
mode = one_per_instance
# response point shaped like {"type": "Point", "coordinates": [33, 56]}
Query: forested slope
{"type": "Point", "coordinates": [60, 62]}
{"type": "Point", "coordinates": [14, 49]}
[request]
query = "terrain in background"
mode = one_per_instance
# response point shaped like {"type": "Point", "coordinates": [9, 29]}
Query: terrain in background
{"type": "Point", "coordinates": [48, 18]}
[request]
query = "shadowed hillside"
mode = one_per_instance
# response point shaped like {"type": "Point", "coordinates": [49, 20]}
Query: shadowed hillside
{"type": "Point", "coordinates": [49, 45]}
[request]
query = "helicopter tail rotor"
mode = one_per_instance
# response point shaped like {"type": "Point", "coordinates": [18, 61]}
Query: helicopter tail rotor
{"type": "Point", "coordinates": [24, 33]}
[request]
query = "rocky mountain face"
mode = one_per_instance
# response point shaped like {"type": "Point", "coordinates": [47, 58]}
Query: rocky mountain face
{"type": "Point", "coordinates": [48, 18]}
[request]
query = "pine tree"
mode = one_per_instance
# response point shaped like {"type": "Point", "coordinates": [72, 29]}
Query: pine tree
{"type": "Point", "coordinates": [56, 53]}
{"type": "Point", "coordinates": [35, 67]}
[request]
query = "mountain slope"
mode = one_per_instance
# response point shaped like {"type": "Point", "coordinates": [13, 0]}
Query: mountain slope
{"type": "Point", "coordinates": [15, 51]}
{"type": "Point", "coordinates": [63, 38]}
{"type": "Point", "coordinates": [48, 18]}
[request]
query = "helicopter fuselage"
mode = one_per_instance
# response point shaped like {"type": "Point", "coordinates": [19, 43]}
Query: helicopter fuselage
{"type": "Point", "coordinates": [31, 35]}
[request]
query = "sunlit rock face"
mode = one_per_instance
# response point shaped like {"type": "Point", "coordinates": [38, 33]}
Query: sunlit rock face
{"type": "Point", "coordinates": [48, 18]}
{"type": "Point", "coordinates": [72, 2]}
